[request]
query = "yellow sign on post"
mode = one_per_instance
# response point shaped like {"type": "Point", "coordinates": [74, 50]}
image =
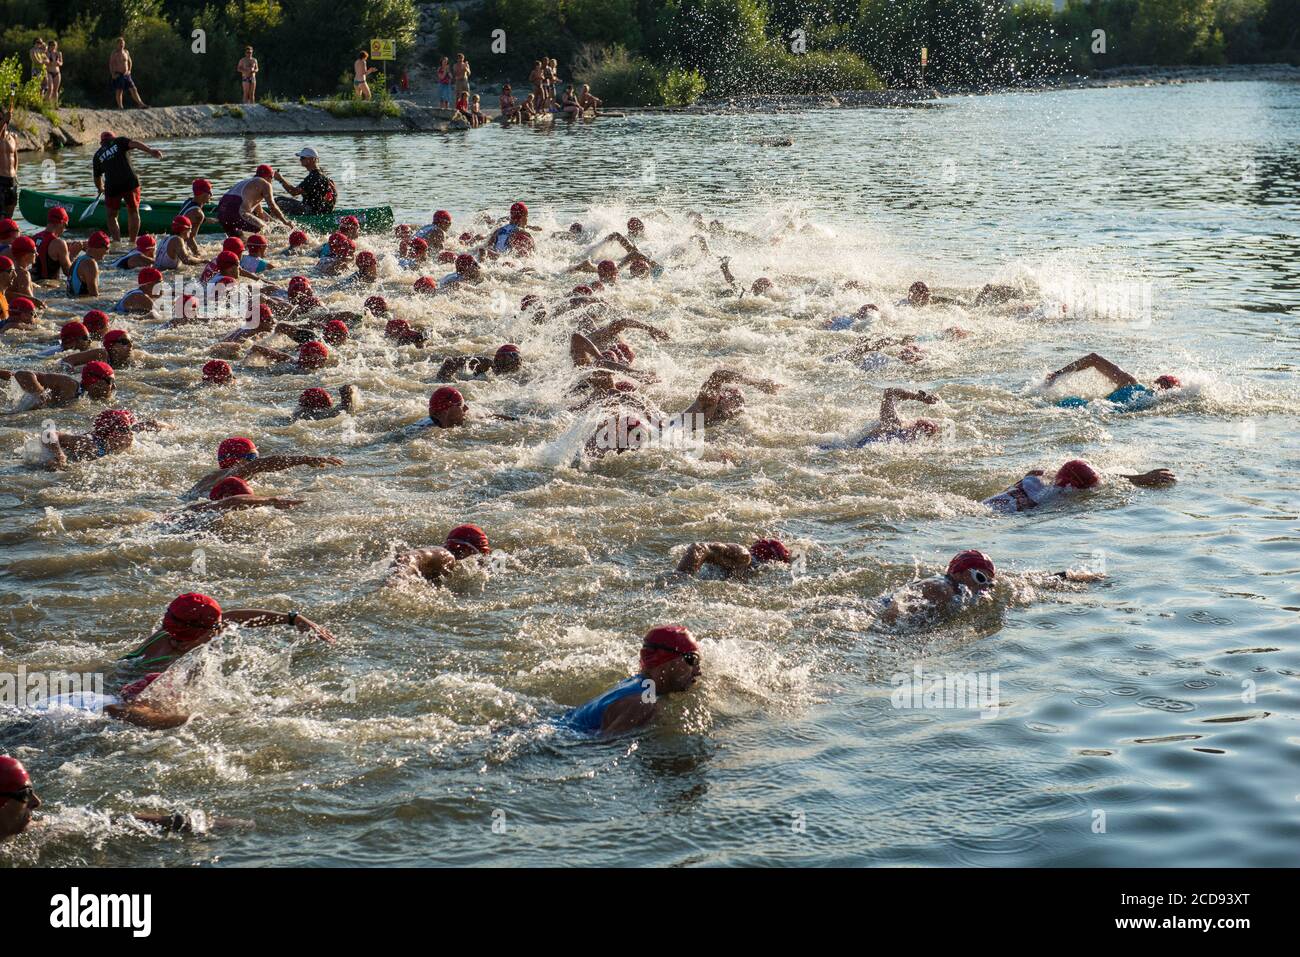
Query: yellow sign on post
{"type": "Point", "coordinates": [383, 49]}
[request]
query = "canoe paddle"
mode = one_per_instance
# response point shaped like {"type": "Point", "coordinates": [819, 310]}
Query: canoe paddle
{"type": "Point", "coordinates": [85, 214]}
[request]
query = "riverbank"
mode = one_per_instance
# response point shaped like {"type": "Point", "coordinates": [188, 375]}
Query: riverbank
{"type": "Point", "coordinates": [77, 127]}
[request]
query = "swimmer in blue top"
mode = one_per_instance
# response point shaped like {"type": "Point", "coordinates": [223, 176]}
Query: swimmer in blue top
{"type": "Point", "coordinates": [1128, 392]}
{"type": "Point", "coordinates": [670, 663]}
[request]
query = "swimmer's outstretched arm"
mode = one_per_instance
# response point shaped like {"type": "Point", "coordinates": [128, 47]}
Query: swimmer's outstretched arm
{"type": "Point", "coordinates": [605, 334]}
{"type": "Point", "coordinates": [146, 716]}
{"type": "Point", "coordinates": [184, 823]}
{"type": "Point", "coordinates": [234, 503]}
{"type": "Point", "coordinates": [617, 237]}
{"type": "Point", "coordinates": [888, 405]}
{"type": "Point", "coordinates": [257, 349]}
{"type": "Point", "coordinates": [261, 617]}
{"type": "Point", "coordinates": [860, 349]}
{"type": "Point", "coordinates": [1156, 478]}
{"type": "Point", "coordinates": [56, 460]}
{"type": "Point", "coordinates": [721, 377]}
{"type": "Point", "coordinates": [1098, 363]}
{"type": "Point", "coordinates": [728, 556]}
{"type": "Point", "coordinates": [81, 358]}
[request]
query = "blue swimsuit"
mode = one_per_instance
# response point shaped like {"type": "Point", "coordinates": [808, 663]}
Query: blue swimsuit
{"type": "Point", "coordinates": [1128, 397]}
{"type": "Point", "coordinates": [589, 718]}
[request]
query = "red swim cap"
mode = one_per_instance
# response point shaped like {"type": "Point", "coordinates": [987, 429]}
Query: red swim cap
{"type": "Point", "coordinates": [769, 550]}
{"type": "Point", "coordinates": [299, 284]}
{"type": "Point", "coordinates": [444, 398]}
{"type": "Point", "coordinates": [96, 370]}
{"type": "Point", "coordinates": [312, 355]}
{"type": "Point", "coordinates": [509, 347]}
{"type": "Point", "coordinates": [111, 421]}
{"type": "Point", "coordinates": [73, 330]}
{"type": "Point", "coordinates": [137, 688]}
{"type": "Point", "coordinates": [335, 332]}
{"type": "Point", "coordinates": [116, 335]}
{"type": "Point", "coordinates": [606, 269]}
{"type": "Point", "coordinates": [233, 244]}
{"type": "Point", "coordinates": [395, 327]}
{"type": "Point", "coordinates": [665, 643]}
{"type": "Point", "coordinates": [971, 559]}
{"type": "Point", "coordinates": [201, 187]}
{"type": "Point", "coordinates": [446, 256]}
{"type": "Point", "coordinates": [442, 216]}
{"type": "Point", "coordinates": [762, 284]}
{"type": "Point", "coordinates": [6, 264]}
{"type": "Point", "coordinates": [230, 486]}
{"type": "Point", "coordinates": [257, 241]}
{"type": "Point", "coordinates": [583, 290]}
{"type": "Point", "coordinates": [624, 350]}
{"type": "Point", "coordinates": [1168, 382]}
{"type": "Point", "coordinates": [367, 259]}
{"type": "Point", "coordinates": [403, 230]}
{"type": "Point", "coordinates": [22, 305]}
{"type": "Point", "coordinates": [191, 616]}
{"type": "Point", "coordinates": [233, 450]}
{"type": "Point", "coordinates": [418, 246]}
{"type": "Point", "coordinates": [181, 224]}
{"type": "Point", "coordinates": [465, 262]}
{"type": "Point", "coordinates": [99, 239]}
{"type": "Point", "coordinates": [145, 242]}
{"type": "Point", "coordinates": [13, 776]}
{"type": "Point", "coordinates": [638, 268]}
{"type": "Point", "coordinates": [297, 238]}
{"type": "Point", "coordinates": [340, 245]}
{"type": "Point", "coordinates": [622, 385]}
{"type": "Point", "coordinates": [149, 276]}
{"type": "Point", "coordinates": [425, 284]}
{"type": "Point", "coordinates": [57, 214]}
{"type": "Point", "coordinates": [217, 371]}
{"type": "Point", "coordinates": [466, 540]}
{"type": "Point", "coordinates": [315, 398]}
{"type": "Point", "coordinates": [265, 172]}
{"type": "Point", "coordinates": [635, 225]}
{"type": "Point", "coordinates": [7, 226]}
{"type": "Point", "coordinates": [96, 321]}
{"type": "Point", "coordinates": [529, 301]}
{"type": "Point", "coordinates": [518, 211]}
{"type": "Point", "coordinates": [377, 305]}
{"type": "Point", "coordinates": [24, 244]}
{"type": "Point", "coordinates": [1076, 474]}
{"type": "Point", "coordinates": [351, 222]}
{"type": "Point", "coordinates": [227, 260]}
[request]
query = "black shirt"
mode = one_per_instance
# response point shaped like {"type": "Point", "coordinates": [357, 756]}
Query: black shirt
{"type": "Point", "coordinates": [318, 192]}
{"type": "Point", "coordinates": [113, 162]}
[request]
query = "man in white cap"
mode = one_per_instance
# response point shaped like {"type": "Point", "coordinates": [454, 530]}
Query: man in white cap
{"type": "Point", "coordinates": [317, 190]}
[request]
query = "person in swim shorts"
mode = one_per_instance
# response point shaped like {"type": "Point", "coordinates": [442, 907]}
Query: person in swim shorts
{"type": "Point", "coordinates": [116, 179]}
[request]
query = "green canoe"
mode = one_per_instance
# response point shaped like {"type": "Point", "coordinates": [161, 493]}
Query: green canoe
{"type": "Point", "coordinates": [157, 217]}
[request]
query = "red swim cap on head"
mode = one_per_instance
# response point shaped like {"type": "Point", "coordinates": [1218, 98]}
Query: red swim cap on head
{"type": "Point", "coordinates": [145, 242]}
{"type": "Point", "coordinates": [148, 276]}
{"type": "Point", "coordinates": [638, 268]}
{"type": "Point", "coordinates": [7, 226]}
{"type": "Point", "coordinates": [99, 239]}
{"type": "Point", "coordinates": [395, 327]}
{"type": "Point", "coordinates": [518, 211]}
{"type": "Point", "coordinates": [425, 284]}
{"type": "Point", "coordinates": [508, 348]}
{"type": "Point", "coordinates": [13, 776]}
{"type": "Point", "coordinates": [233, 450]}
{"type": "Point", "coordinates": [299, 284]}
{"type": "Point", "coordinates": [466, 540]}
{"type": "Point", "coordinates": [403, 230]}
{"type": "Point", "coordinates": [315, 398]}
{"type": "Point", "coordinates": [340, 245]}
{"type": "Point", "coordinates": [227, 260]}
{"type": "Point", "coordinates": [582, 290]}
{"type": "Point", "coordinates": [96, 321]}
{"type": "Point", "coordinates": [181, 224]}
{"type": "Point", "coordinates": [971, 559]}
{"type": "Point", "coordinates": [191, 616]}
{"type": "Point", "coordinates": [442, 216]}
{"type": "Point", "coordinates": [418, 245]}
{"type": "Point", "coordinates": [201, 187]}
{"type": "Point", "coordinates": [230, 486]}
{"type": "Point", "coordinates": [635, 225]}
{"type": "Point", "coordinates": [918, 292]}
{"type": "Point", "coordinates": [265, 172]}
{"type": "Point", "coordinates": [137, 688]}
{"type": "Point", "coordinates": [96, 371]}
{"type": "Point", "coordinates": [350, 221]}
{"type": "Point", "coordinates": [529, 301]}
{"type": "Point", "coordinates": [377, 305]}
{"type": "Point", "coordinates": [256, 241]}
{"type": "Point", "coordinates": [465, 262]}
{"type": "Point", "coordinates": [6, 264]}
{"type": "Point", "coordinates": [335, 332]}
{"type": "Point", "coordinates": [57, 214]}
{"type": "Point", "coordinates": [112, 421]}
{"type": "Point", "coordinates": [116, 335]}
{"type": "Point", "coordinates": [665, 643]}
{"type": "Point", "coordinates": [1076, 474]}
{"type": "Point", "coordinates": [367, 259]}
{"type": "Point", "coordinates": [21, 305]}
{"type": "Point", "coordinates": [444, 398]}
{"type": "Point", "coordinates": [217, 371]}
{"type": "Point", "coordinates": [233, 244]}
{"type": "Point", "coordinates": [313, 354]}
{"type": "Point", "coordinates": [624, 350]}
{"type": "Point", "coordinates": [297, 238]}
{"type": "Point", "coordinates": [606, 269]}
{"type": "Point", "coordinates": [769, 550]}
{"type": "Point", "coordinates": [762, 284]}
{"type": "Point", "coordinates": [24, 245]}
{"type": "Point", "coordinates": [1168, 382]}
{"type": "Point", "coordinates": [446, 256]}
{"type": "Point", "coordinates": [622, 385]}
{"type": "Point", "coordinates": [73, 330]}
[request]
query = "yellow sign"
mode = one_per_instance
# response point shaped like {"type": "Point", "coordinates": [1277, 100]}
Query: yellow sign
{"type": "Point", "coordinates": [924, 55]}
{"type": "Point", "coordinates": [383, 49]}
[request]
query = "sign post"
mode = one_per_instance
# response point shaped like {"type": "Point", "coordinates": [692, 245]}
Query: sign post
{"type": "Point", "coordinates": [383, 51]}
{"type": "Point", "coordinates": [925, 55]}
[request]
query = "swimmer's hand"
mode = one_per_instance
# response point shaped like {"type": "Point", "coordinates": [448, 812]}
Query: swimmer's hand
{"type": "Point", "coordinates": [283, 503]}
{"type": "Point", "coordinates": [1079, 575]}
{"type": "Point", "coordinates": [1156, 478]}
{"type": "Point", "coordinates": [928, 398]}
{"type": "Point", "coordinates": [310, 627]}
{"type": "Point", "coordinates": [320, 461]}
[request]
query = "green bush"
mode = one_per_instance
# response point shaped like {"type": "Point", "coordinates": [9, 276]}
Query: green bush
{"type": "Point", "coordinates": [618, 78]}
{"type": "Point", "coordinates": [681, 87]}
{"type": "Point", "coordinates": [162, 64]}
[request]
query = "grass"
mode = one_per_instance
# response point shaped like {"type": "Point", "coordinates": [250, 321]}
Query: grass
{"type": "Point", "coordinates": [274, 106]}
{"type": "Point", "coordinates": [346, 107]}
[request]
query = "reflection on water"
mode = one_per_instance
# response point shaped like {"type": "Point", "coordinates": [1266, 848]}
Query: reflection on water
{"type": "Point", "coordinates": [1160, 702]}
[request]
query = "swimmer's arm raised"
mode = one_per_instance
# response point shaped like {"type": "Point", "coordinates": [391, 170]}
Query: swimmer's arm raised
{"type": "Point", "coordinates": [234, 503]}
{"type": "Point", "coordinates": [728, 556]}
{"type": "Point", "coordinates": [1098, 363]}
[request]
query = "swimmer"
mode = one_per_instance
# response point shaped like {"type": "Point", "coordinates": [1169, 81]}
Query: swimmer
{"type": "Point", "coordinates": [316, 403]}
{"type": "Point", "coordinates": [1075, 475]}
{"type": "Point", "coordinates": [124, 706]}
{"type": "Point", "coordinates": [237, 457]}
{"type": "Point", "coordinates": [367, 273]}
{"type": "Point", "coordinates": [441, 224]}
{"type": "Point", "coordinates": [870, 352]}
{"type": "Point", "coordinates": [252, 261]}
{"type": "Point", "coordinates": [23, 253]}
{"type": "Point", "coordinates": [173, 252]}
{"type": "Point", "coordinates": [499, 239]}
{"type": "Point", "coordinates": [404, 334]}
{"type": "Point", "coordinates": [505, 361]}
{"type": "Point", "coordinates": [22, 314]}
{"type": "Point", "coordinates": [919, 296]}
{"type": "Point", "coordinates": [1128, 392]}
{"type": "Point", "coordinates": [52, 389]}
{"type": "Point", "coordinates": [138, 258]}
{"type": "Point", "coordinates": [468, 272]}
{"type": "Point", "coordinates": [670, 664]}
{"type": "Point", "coordinates": [311, 356]}
{"type": "Point", "coordinates": [193, 619]}
{"type": "Point", "coordinates": [732, 558]}
{"type": "Point", "coordinates": [144, 297]}
{"type": "Point", "coordinates": [116, 351]}
{"type": "Point", "coordinates": [717, 401]}
{"type": "Point", "coordinates": [53, 252]}
{"type": "Point", "coordinates": [447, 408]}
{"type": "Point", "coordinates": [217, 372]}
{"type": "Point", "coordinates": [866, 315]}
{"type": "Point", "coordinates": [113, 432]}
{"type": "Point", "coordinates": [234, 494]}
{"type": "Point", "coordinates": [588, 349]}
{"type": "Point", "coordinates": [83, 276]}
{"type": "Point", "coordinates": [436, 563]}
{"type": "Point", "coordinates": [890, 428]}
{"type": "Point", "coordinates": [340, 251]}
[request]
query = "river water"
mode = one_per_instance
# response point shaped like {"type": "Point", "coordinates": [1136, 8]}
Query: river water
{"type": "Point", "coordinates": [1149, 719]}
